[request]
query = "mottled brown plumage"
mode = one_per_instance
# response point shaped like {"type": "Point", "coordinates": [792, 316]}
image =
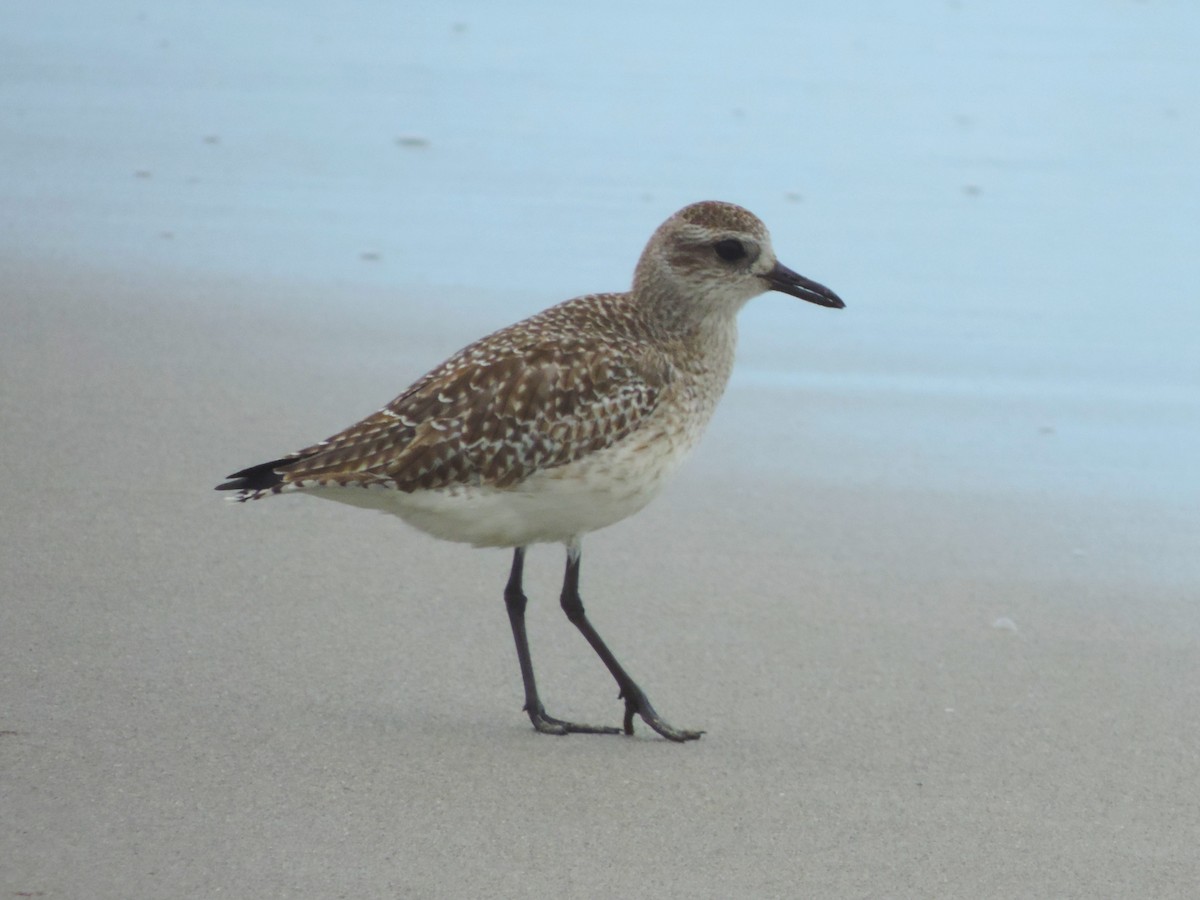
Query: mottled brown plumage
{"type": "Point", "coordinates": [561, 424]}
{"type": "Point", "coordinates": [529, 397]}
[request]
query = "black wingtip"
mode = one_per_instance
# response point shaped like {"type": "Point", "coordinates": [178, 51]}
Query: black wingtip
{"type": "Point", "coordinates": [262, 477]}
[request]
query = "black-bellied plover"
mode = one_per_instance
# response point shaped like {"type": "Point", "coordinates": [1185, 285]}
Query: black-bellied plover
{"type": "Point", "coordinates": [561, 424]}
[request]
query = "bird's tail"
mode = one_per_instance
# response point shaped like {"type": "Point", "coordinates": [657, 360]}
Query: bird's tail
{"type": "Point", "coordinates": [256, 481]}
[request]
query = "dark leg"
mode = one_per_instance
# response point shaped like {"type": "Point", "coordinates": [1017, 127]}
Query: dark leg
{"type": "Point", "coordinates": [514, 599]}
{"type": "Point", "coordinates": [635, 699]}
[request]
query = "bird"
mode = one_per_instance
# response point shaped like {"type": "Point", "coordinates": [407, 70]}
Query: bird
{"type": "Point", "coordinates": [561, 424]}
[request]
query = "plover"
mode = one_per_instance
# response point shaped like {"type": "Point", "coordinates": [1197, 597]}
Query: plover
{"type": "Point", "coordinates": [561, 424]}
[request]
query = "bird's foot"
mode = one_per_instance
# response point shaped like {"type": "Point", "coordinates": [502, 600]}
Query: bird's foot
{"type": "Point", "coordinates": [636, 703]}
{"type": "Point", "coordinates": [547, 724]}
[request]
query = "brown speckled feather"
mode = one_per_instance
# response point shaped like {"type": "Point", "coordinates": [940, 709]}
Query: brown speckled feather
{"type": "Point", "coordinates": [562, 424]}
{"type": "Point", "coordinates": [536, 395]}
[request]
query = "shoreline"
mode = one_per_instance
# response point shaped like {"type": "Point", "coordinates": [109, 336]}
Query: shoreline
{"type": "Point", "coordinates": [293, 697]}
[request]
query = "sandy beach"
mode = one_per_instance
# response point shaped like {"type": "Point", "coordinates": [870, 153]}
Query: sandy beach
{"type": "Point", "coordinates": [906, 693]}
{"type": "Point", "coordinates": [930, 584]}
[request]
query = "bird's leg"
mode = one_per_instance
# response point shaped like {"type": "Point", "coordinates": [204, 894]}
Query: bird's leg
{"type": "Point", "coordinates": [514, 600]}
{"type": "Point", "coordinates": [635, 698]}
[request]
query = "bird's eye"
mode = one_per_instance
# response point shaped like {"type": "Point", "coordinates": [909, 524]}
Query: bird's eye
{"type": "Point", "coordinates": [730, 250]}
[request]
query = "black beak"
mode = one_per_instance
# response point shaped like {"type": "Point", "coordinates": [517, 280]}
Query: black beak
{"type": "Point", "coordinates": [784, 280]}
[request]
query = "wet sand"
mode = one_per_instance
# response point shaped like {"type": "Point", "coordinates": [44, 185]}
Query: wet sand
{"type": "Point", "coordinates": [921, 689]}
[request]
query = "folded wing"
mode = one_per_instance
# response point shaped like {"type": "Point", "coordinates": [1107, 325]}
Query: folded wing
{"type": "Point", "coordinates": [490, 415]}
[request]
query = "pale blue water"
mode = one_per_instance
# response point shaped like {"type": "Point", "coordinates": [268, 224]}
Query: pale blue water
{"type": "Point", "coordinates": [1006, 195]}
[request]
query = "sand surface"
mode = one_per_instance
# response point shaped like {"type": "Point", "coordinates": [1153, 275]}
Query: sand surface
{"type": "Point", "coordinates": [930, 583]}
{"type": "Point", "coordinates": [906, 692]}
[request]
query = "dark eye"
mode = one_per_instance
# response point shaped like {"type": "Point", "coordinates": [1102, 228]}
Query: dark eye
{"type": "Point", "coordinates": [730, 250]}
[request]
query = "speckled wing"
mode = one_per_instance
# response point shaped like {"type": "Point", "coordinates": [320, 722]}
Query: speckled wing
{"type": "Point", "coordinates": [491, 415]}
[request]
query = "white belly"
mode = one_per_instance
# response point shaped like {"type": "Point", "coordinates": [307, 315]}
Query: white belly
{"type": "Point", "coordinates": [554, 505]}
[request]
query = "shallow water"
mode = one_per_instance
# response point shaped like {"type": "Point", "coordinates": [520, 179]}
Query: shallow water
{"type": "Point", "coordinates": [1005, 196]}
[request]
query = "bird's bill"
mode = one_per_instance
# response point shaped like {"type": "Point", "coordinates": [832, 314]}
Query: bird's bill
{"type": "Point", "coordinates": [784, 280]}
